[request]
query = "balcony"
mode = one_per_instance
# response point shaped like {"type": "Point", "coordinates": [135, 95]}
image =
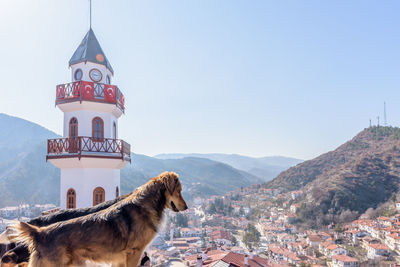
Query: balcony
{"type": "Point", "coordinates": [88, 147]}
{"type": "Point", "coordinates": [90, 91]}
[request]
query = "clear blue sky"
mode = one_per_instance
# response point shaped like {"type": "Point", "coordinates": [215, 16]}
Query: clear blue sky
{"type": "Point", "coordinates": [293, 78]}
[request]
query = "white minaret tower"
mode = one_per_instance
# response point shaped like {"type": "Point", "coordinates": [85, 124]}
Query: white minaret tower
{"type": "Point", "coordinates": [90, 155]}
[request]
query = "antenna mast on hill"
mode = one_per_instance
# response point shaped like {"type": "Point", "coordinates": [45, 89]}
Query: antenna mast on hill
{"type": "Point", "coordinates": [378, 120]}
{"type": "Point", "coordinates": [370, 123]}
{"type": "Point", "coordinates": [384, 114]}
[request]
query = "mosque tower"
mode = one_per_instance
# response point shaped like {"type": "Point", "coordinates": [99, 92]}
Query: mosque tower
{"type": "Point", "coordinates": [90, 155]}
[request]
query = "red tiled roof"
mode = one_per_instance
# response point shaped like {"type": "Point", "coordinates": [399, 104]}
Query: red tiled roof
{"type": "Point", "coordinates": [220, 234]}
{"type": "Point", "coordinates": [395, 236]}
{"type": "Point", "coordinates": [212, 256]}
{"type": "Point", "coordinates": [332, 247]}
{"type": "Point", "coordinates": [314, 238]}
{"type": "Point", "coordinates": [379, 246]}
{"type": "Point", "coordinates": [238, 259]}
{"type": "Point", "coordinates": [383, 218]}
{"type": "Point", "coordinates": [344, 258]}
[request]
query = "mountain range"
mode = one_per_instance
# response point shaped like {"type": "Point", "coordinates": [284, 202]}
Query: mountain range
{"type": "Point", "coordinates": [266, 168]}
{"type": "Point", "coordinates": [26, 177]}
{"type": "Point", "coordinates": [342, 184]}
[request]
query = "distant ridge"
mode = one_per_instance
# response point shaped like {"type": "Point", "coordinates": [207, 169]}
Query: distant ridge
{"type": "Point", "coordinates": [266, 168]}
{"type": "Point", "coordinates": [26, 177]}
{"type": "Point", "coordinates": [363, 172]}
{"type": "Point", "coordinates": [201, 177]}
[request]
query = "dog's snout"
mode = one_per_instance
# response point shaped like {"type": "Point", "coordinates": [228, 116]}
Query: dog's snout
{"type": "Point", "coordinates": [186, 207]}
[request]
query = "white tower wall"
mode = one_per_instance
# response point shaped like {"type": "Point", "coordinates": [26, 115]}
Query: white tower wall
{"type": "Point", "coordinates": [84, 181]}
{"type": "Point", "coordinates": [85, 118]}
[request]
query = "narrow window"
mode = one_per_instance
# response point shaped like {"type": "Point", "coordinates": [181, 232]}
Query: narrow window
{"type": "Point", "coordinates": [73, 142]}
{"type": "Point", "coordinates": [73, 127]}
{"type": "Point", "coordinates": [116, 192]}
{"type": "Point", "coordinates": [114, 130]}
{"type": "Point", "coordinates": [98, 196]}
{"type": "Point", "coordinates": [97, 129]}
{"type": "Point", "coordinates": [71, 199]}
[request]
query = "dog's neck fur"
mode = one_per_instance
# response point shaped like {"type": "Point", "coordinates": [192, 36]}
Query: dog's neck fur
{"type": "Point", "coordinates": [151, 197]}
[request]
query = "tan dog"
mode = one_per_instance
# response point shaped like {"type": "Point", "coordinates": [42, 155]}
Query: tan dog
{"type": "Point", "coordinates": [117, 235]}
{"type": "Point", "coordinates": [19, 255]}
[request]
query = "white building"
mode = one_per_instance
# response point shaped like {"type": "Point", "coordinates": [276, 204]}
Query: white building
{"type": "Point", "coordinates": [344, 261]}
{"type": "Point", "coordinates": [376, 251]}
{"type": "Point", "coordinates": [89, 155]}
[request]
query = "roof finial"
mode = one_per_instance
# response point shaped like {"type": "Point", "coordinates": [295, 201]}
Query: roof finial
{"type": "Point", "coordinates": [90, 14]}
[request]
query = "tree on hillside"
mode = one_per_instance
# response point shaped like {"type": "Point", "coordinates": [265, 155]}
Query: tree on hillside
{"type": "Point", "coordinates": [220, 207]}
{"type": "Point", "coordinates": [212, 209]}
{"type": "Point", "coordinates": [181, 220]}
{"type": "Point", "coordinates": [251, 236]}
{"type": "Point", "coordinates": [234, 240]}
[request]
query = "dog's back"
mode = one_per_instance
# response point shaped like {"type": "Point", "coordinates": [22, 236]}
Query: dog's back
{"type": "Point", "coordinates": [18, 253]}
{"type": "Point", "coordinates": [76, 240]}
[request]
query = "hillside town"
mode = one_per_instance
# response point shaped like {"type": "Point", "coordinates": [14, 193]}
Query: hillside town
{"type": "Point", "coordinates": [257, 78]}
{"type": "Point", "coordinates": [256, 226]}
{"type": "Point", "coordinates": [248, 227]}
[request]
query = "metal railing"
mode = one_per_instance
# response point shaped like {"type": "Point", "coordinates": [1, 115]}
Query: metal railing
{"type": "Point", "coordinates": [88, 146]}
{"type": "Point", "coordinates": [90, 91]}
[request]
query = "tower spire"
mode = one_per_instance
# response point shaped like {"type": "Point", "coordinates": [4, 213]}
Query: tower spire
{"type": "Point", "coordinates": [90, 14]}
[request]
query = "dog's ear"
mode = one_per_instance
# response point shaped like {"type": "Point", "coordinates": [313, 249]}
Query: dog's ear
{"type": "Point", "coordinates": [170, 180]}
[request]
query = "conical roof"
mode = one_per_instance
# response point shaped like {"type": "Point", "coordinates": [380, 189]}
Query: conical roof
{"type": "Point", "coordinates": [90, 50]}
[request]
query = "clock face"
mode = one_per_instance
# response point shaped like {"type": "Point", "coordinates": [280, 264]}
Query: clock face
{"type": "Point", "coordinates": [78, 75]}
{"type": "Point", "coordinates": [95, 75]}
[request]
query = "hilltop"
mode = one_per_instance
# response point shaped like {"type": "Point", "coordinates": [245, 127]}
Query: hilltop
{"type": "Point", "coordinates": [364, 172]}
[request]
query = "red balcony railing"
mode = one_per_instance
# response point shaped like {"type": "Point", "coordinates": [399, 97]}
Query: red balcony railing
{"type": "Point", "coordinates": [88, 147]}
{"type": "Point", "coordinates": [89, 91]}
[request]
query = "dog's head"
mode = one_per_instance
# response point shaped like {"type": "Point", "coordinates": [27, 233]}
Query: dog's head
{"type": "Point", "coordinates": [173, 192]}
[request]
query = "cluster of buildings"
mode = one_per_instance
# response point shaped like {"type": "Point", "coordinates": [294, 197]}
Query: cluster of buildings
{"type": "Point", "coordinates": [25, 210]}
{"type": "Point", "coordinates": [217, 239]}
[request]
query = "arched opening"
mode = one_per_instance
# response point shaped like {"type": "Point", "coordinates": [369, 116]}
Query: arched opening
{"type": "Point", "coordinates": [73, 127]}
{"type": "Point", "coordinates": [99, 196]}
{"type": "Point", "coordinates": [71, 199]}
{"type": "Point", "coordinates": [78, 75]}
{"type": "Point", "coordinates": [73, 133]}
{"type": "Point", "coordinates": [114, 130]}
{"type": "Point", "coordinates": [116, 192]}
{"type": "Point", "coordinates": [97, 129]}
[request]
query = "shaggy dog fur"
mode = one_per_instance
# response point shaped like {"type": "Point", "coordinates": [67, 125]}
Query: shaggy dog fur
{"type": "Point", "coordinates": [116, 235]}
{"type": "Point", "coordinates": [15, 254]}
